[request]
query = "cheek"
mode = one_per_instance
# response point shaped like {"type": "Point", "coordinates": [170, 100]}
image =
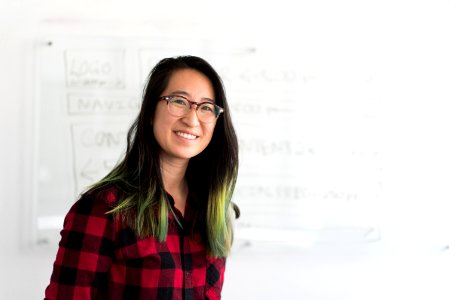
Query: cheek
{"type": "Point", "coordinates": [159, 124]}
{"type": "Point", "coordinates": [209, 131]}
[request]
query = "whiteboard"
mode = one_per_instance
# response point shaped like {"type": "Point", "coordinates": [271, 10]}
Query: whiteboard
{"type": "Point", "coordinates": [310, 168]}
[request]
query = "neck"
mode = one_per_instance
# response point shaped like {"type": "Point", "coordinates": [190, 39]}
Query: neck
{"type": "Point", "coordinates": [173, 173]}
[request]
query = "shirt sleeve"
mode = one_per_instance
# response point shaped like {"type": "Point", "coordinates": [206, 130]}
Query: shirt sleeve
{"type": "Point", "coordinates": [215, 277]}
{"type": "Point", "coordinates": [85, 252]}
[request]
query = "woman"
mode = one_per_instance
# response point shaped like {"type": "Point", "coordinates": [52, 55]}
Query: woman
{"type": "Point", "coordinates": [159, 225]}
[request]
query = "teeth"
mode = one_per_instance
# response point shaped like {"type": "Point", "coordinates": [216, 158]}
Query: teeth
{"type": "Point", "coordinates": [186, 135]}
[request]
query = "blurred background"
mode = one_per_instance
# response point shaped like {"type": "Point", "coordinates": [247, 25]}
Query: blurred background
{"type": "Point", "coordinates": [340, 109]}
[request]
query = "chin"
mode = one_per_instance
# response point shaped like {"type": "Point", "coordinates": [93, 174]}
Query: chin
{"type": "Point", "coordinates": [185, 152]}
{"type": "Point", "coordinates": [186, 155]}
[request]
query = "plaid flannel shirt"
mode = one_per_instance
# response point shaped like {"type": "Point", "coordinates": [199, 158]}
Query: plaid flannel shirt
{"type": "Point", "coordinates": [101, 258]}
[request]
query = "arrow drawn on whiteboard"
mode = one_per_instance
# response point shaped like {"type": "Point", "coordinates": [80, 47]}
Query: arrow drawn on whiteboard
{"type": "Point", "coordinates": [87, 172]}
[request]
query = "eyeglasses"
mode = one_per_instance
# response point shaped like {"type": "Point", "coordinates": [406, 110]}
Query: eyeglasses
{"type": "Point", "coordinates": [179, 106]}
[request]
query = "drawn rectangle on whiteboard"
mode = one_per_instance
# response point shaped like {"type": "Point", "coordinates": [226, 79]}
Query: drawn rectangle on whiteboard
{"type": "Point", "coordinates": [103, 68]}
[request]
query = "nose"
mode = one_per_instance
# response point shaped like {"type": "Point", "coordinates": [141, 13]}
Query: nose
{"type": "Point", "coordinates": [191, 117]}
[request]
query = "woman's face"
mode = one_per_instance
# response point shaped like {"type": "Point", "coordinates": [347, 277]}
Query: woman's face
{"type": "Point", "coordinates": [183, 137]}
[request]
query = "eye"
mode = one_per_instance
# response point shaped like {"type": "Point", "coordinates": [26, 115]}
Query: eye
{"type": "Point", "coordinates": [179, 101]}
{"type": "Point", "coordinates": [208, 107]}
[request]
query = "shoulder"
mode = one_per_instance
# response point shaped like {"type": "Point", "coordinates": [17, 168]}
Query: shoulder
{"type": "Point", "coordinates": [96, 201]}
{"type": "Point", "coordinates": [88, 222]}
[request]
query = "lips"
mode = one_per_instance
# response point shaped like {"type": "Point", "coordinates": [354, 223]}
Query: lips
{"type": "Point", "coordinates": [186, 135]}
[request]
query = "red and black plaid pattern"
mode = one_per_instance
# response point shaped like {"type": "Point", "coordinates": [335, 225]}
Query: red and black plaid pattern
{"type": "Point", "coordinates": [100, 258]}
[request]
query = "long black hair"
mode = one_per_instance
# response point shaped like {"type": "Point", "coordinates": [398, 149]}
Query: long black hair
{"type": "Point", "coordinates": [212, 174]}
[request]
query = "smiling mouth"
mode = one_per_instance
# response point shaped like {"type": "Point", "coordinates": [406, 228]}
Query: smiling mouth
{"type": "Point", "coordinates": [186, 135]}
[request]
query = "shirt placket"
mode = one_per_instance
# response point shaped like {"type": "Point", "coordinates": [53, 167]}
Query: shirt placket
{"type": "Point", "coordinates": [187, 269]}
{"type": "Point", "coordinates": [186, 257]}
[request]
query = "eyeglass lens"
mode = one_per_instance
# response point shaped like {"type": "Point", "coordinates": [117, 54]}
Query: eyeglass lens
{"type": "Point", "coordinates": [206, 112]}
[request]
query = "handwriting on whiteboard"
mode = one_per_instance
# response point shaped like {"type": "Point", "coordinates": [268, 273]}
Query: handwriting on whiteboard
{"type": "Point", "coordinates": [96, 150]}
{"type": "Point", "coordinates": [95, 68]}
{"type": "Point", "coordinates": [88, 104]}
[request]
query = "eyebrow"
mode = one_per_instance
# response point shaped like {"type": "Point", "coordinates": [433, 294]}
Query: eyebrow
{"type": "Point", "coordinates": [187, 95]}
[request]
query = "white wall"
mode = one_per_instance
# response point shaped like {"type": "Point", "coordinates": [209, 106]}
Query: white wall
{"type": "Point", "coordinates": [402, 45]}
